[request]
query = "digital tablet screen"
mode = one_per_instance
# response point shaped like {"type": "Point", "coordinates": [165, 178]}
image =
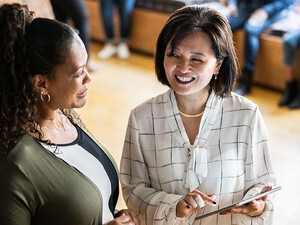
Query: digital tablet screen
{"type": "Point", "coordinates": [239, 203]}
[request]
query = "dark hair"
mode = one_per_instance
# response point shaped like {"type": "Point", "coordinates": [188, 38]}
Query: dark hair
{"type": "Point", "coordinates": [28, 46]}
{"type": "Point", "coordinates": [189, 19]}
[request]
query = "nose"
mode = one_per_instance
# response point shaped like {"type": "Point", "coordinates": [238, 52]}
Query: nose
{"type": "Point", "coordinates": [87, 78]}
{"type": "Point", "coordinates": [184, 66]}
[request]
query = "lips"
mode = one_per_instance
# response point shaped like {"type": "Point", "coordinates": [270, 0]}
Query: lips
{"type": "Point", "coordinates": [184, 79]}
{"type": "Point", "coordinates": [82, 94]}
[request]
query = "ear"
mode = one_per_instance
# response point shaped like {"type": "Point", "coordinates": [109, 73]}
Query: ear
{"type": "Point", "coordinates": [39, 83]}
{"type": "Point", "coordinates": [218, 66]}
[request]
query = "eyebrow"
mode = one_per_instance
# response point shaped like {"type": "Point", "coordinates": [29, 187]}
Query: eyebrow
{"type": "Point", "coordinates": [198, 53]}
{"type": "Point", "coordinates": [194, 53]}
{"type": "Point", "coordinates": [81, 67]}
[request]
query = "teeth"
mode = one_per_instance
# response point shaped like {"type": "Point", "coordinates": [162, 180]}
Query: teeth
{"type": "Point", "coordinates": [184, 79]}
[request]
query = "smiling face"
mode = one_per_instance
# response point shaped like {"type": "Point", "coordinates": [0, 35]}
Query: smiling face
{"type": "Point", "coordinates": [191, 65]}
{"type": "Point", "coordinates": [68, 88]}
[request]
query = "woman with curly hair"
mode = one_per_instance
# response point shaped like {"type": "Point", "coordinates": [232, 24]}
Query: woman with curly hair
{"type": "Point", "coordinates": [52, 170]}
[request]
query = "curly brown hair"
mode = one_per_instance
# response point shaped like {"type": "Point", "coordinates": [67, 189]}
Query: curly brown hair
{"type": "Point", "coordinates": [16, 100]}
{"type": "Point", "coordinates": [28, 46]}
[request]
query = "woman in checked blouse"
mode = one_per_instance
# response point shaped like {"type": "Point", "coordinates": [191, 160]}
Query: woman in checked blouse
{"type": "Point", "coordinates": [198, 146]}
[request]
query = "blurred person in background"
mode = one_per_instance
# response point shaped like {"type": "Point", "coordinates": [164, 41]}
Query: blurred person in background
{"type": "Point", "coordinates": [254, 16]}
{"type": "Point", "coordinates": [291, 95]}
{"type": "Point", "coordinates": [113, 46]}
{"type": "Point", "coordinates": [75, 10]}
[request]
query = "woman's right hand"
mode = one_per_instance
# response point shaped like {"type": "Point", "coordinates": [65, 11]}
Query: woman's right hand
{"type": "Point", "coordinates": [193, 202]}
{"type": "Point", "coordinates": [125, 216]}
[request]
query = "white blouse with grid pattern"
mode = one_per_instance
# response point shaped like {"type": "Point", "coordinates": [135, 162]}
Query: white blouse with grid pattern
{"type": "Point", "coordinates": [159, 166]}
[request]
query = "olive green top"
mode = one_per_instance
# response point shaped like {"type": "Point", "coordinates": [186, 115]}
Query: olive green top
{"type": "Point", "coordinates": [36, 187]}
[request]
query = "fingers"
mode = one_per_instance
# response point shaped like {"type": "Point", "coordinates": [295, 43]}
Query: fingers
{"type": "Point", "coordinates": [183, 209]}
{"type": "Point", "coordinates": [128, 216]}
{"type": "Point", "coordinates": [211, 197]}
{"type": "Point", "coordinates": [134, 217]}
{"type": "Point", "coordinates": [122, 219]}
{"type": "Point", "coordinates": [192, 202]}
{"type": "Point", "coordinates": [197, 200]}
{"type": "Point", "coordinates": [208, 199]}
{"type": "Point", "coordinates": [254, 208]}
{"type": "Point", "coordinates": [266, 188]}
{"type": "Point", "coordinates": [239, 209]}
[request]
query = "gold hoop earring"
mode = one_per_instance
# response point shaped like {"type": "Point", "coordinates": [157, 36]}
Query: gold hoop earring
{"type": "Point", "coordinates": [48, 96]}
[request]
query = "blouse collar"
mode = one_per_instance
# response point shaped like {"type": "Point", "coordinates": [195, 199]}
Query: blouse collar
{"type": "Point", "coordinates": [196, 165]}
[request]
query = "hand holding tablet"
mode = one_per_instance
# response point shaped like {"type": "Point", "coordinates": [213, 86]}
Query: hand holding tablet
{"type": "Point", "coordinates": [226, 209]}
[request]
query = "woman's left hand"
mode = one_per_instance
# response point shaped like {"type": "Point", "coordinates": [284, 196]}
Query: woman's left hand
{"type": "Point", "coordinates": [254, 208]}
{"type": "Point", "coordinates": [131, 213]}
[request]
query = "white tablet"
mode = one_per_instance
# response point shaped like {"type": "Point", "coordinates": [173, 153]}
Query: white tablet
{"type": "Point", "coordinates": [239, 203]}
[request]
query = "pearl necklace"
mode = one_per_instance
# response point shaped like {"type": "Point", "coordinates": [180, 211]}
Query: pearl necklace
{"type": "Point", "coordinates": [191, 116]}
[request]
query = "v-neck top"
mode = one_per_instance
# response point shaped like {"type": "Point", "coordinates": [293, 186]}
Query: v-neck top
{"type": "Point", "coordinates": [39, 188]}
{"type": "Point", "coordinates": [229, 158]}
{"type": "Point", "coordinates": [87, 157]}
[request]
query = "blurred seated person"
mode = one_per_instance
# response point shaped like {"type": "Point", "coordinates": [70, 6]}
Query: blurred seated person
{"type": "Point", "coordinates": [77, 12]}
{"type": "Point", "coordinates": [254, 16]}
{"type": "Point", "coordinates": [113, 46]}
{"type": "Point", "coordinates": [291, 96]}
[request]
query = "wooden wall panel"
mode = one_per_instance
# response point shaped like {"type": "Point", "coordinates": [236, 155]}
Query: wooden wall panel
{"type": "Point", "coordinates": [269, 69]}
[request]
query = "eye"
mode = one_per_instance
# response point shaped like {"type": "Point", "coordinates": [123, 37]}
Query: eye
{"type": "Point", "coordinates": [172, 54]}
{"type": "Point", "coordinates": [197, 60]}
{"type": "Point", "coordinates": [80, 74]}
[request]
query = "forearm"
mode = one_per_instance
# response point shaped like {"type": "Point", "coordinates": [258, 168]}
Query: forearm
{"type": "Point", "coordinates": [151, 204]}
{"type": "Point", "coordinates": [277, 6]}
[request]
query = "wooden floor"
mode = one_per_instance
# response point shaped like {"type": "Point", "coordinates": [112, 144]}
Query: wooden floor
{"type": "Point", "coordinates": [120, 85]}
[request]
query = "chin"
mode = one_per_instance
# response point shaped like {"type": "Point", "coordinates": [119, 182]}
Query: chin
{"type": "Point", "coordinates": [183, 92]}
{"type": "Point", "coordinates": [80, 104]}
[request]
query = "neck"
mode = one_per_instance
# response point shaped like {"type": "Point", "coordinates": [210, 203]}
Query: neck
{"type": "Point", "coordinates": [49, 118]}
{"type": "Point", "coordinates": [192, 104]}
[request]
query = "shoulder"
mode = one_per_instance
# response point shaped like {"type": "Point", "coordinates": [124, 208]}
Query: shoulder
{"type": "Point", "coordinates": [26, 149]}
{"type": "Point", "coordinates": [11, 177]}
{"type": "Point", "coordinates": [238, 109]}
{"type": "Point", "coordinates": [31, 158]}
{"type": "Point", "coordinates": [19, 197]}
{"type": "Point", "coordinates": [12, 174]}
{"type": "Point", "coordinates": [152, 105]}
{"type": "Point", "coordinates": [239, 103]}
{"type": "Point", "coordinates": [25, 155]}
